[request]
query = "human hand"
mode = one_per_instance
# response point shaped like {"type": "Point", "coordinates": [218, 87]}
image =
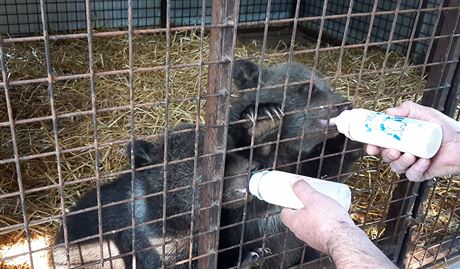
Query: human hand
{"type": "Point", "coordinates": [447, 159]}
{"type": "Point", "coordinates": [319, 221]}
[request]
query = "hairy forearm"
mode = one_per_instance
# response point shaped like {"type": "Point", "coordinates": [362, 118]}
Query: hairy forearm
{"type": "Point", "coordinates": [351, 248]}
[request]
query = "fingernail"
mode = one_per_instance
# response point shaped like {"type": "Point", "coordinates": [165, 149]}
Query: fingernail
{"type": "Point", "coordinates": [370, 150]}
{"type": "Point", "coordinates": [300, 184]}
{"type": "Point", "coordinates": [392, 155]}
{"type": "Point", "coordinates": [424, 162]}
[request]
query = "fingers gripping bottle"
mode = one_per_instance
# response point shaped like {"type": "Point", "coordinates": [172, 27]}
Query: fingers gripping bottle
{"type": "Point", "coordinates": [420, 138]}
{"type": "Point", "coordinates": [275, 187]}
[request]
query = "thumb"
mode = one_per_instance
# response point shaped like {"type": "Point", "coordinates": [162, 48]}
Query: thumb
{"type": "Point", "coordinates": [304, 192]}
{"type": "Point", "coordinates": [413, 110]}
{"type": "Point", "coordinates": [402, 110]}
{"type": "Point", "coordinates": [288, 216]}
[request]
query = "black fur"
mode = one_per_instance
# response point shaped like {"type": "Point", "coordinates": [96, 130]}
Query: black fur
{"type": "Point", "coordinates": [148, 211]}
{"type": "Point", "coordinates": [149, 236]}
{"type": "Point", "coordinates": [324, 104]}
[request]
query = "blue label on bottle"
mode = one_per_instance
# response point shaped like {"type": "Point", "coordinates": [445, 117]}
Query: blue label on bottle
{"type": "Point", "coordinates": [393, 126]}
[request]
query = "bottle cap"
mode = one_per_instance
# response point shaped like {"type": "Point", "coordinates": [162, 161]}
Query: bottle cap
{"type": "Point", "coordinates": [342, 121]}
{"type": "Point", "coordinates": [435, 141]}
{"type": "Point", "coordinates": [254, 183]}
{"type": "Point", "coordinates": [332, 121]}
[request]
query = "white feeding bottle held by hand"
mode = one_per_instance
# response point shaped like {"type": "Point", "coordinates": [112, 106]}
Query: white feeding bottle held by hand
{"type": "Point", "coordinates": [419, 138]}
{"type": "Point", "coordinates": [275, 187]}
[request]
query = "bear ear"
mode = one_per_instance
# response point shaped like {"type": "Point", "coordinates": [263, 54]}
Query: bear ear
{"type": "Point", "coordinates": [321, 83]}
{"type": "Point", "coordinates": [245, 74]}
{"type": "Point", "coordinates": [144, 152]}
{"type": "Point", "coordinates": [320, 87]}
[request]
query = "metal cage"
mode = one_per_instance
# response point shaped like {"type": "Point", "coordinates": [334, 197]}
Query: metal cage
{"type": "Point", "coordinates": [418, 223]}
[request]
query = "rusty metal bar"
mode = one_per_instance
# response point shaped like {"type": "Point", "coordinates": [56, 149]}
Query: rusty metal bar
{"type": "Point", "coordinates": [149, 104]}
{"type": "Point", "coordinates": [337, 74]}
{"type": "Point", "coordinates": [415, 29]}
{"type": "Point", "coordinates": [251, 149]}
{"type": "Point", "coordinates": [180, 66]}
{"type": "Point", "coordinates": [49, 71]}
{"type": "Point", "coordinates": [175, 29]}
{"type": "Point", "coordinates": [360, 76]}
{"type": "Point", "coordinates": [219, 82]}
{"type": "Point", "coordinates": [283, 103]}
{"type": "Point", "coordinates": [97, 164]}
{"type": "Point", "coordinates": [197, 136]}
{"type": "Point", "coordinates": [17, 162]}
{"type": "Point", "coordinates": [132, 137]}
{"type": "Point", "coordinates": [166, 128]}
{"type": "Point", "coordinates": [118, 173]}
{"type": "Point", "coordinates": [388, 47]}
{"type": "Point", "coordinates": [310, 89]}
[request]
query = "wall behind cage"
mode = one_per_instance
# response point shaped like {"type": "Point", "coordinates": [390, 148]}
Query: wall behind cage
{"type": "Point", "coordinates": [381, 29]}
{"type": "Point", "coordinates": [21, 18]}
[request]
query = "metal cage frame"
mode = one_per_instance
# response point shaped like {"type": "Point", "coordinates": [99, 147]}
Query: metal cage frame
{"type": "Point", "coordinates": [407, 207]}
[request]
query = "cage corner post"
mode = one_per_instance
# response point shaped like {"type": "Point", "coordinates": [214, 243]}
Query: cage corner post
{"type": "Point", "coordinates": [221, 39]}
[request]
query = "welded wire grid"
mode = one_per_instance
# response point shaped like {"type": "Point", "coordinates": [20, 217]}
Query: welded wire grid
{"type": "Point", "coordinates": [381, 23]}
{"type": "Point", "coordinates": [23, 17]}
{"type": "Point", "coordinates": [435, 240]}
{"type": "Point", "coordinates": [411, 28]}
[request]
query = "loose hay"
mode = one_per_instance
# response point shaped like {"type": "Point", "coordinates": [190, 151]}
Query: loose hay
{"type": "Point", "coordinates": [27, 60]}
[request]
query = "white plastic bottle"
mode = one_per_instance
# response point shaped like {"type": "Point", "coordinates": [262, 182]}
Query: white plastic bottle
{"type": "Point", "coordinates": [275, 187]}
{"type": "Point", "coordinates": [420, 138]}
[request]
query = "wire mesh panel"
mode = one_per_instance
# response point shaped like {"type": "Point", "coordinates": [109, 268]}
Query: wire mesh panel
{"type": "Point", "coordinates": [435, 239]}
{"type": "Point", "coordinates": [382, 22]}
{"type": "Point", "coordinates": [129, 129]}
{"type": "Point", "coordinates": [23, 17]}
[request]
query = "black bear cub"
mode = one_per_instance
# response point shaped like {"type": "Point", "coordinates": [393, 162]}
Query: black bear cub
{"type": "Point", "coordinates": [155, 247]}
{"type": "Point", "coordinates": [304, 111]}
{"type": "Point", "coordinates": [117, 210]}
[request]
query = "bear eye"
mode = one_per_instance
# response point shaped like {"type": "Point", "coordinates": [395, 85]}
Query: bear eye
{"type": "Point", "coordinates": [258, 167]}
{"type": "Point", "coordinates": [255, 167]}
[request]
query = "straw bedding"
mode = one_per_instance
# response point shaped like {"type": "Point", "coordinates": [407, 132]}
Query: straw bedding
{"type": "Point", "coordinates": [371, 185]}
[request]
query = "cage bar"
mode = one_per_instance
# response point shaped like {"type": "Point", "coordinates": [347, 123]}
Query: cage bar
{"type": "Point", "coordinates": [25, 224]}
{"type": "Point", "coordinates": [49, 71]}
{"type": "Point", "coordinates": [222, 42]}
